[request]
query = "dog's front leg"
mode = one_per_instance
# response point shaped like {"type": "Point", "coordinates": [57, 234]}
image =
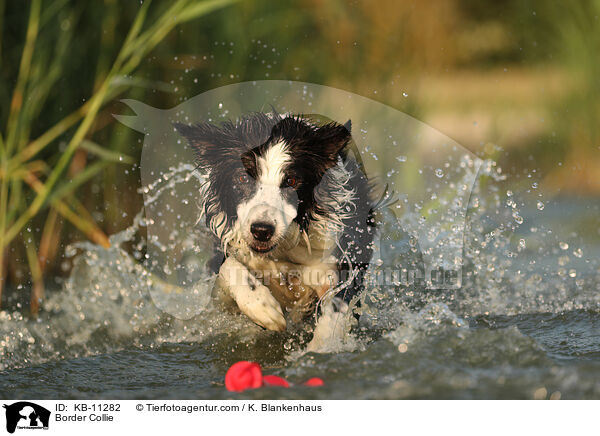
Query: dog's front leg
{"type": "Point", "coordinates": [252, 297]}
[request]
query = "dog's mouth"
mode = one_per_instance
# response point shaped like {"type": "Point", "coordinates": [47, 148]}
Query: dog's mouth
{"type": "Point", "coordinates": [262, 248]}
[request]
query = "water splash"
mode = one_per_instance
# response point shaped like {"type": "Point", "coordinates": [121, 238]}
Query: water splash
{"type": "Point", "coordinates": [470, 219]}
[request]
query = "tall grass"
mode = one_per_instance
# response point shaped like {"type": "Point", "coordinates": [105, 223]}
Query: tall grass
{"type": "Point", "coordinates": [30, 186]}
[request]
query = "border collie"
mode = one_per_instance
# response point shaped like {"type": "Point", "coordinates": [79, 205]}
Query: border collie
{"type": "Point", "coordinates": [292, 212]}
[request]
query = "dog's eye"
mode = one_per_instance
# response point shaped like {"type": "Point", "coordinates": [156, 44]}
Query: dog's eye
{"type": "Point", "coordinates": [243, 178]}
{"type": "Point", "coordinates": [291, 182]}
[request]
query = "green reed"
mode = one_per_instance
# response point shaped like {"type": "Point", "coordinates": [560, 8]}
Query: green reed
{"type": "Point", "coordinates": [31, 185]}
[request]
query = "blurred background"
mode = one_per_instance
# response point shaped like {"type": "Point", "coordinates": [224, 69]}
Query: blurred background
{"type": "Point", "coordinates": [513, 80]}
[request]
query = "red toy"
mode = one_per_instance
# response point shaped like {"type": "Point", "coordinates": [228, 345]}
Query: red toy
{"type": "Point", "coordinates": [315, 381]}
{"type": "Point", "coordinates": [243, 375]}
{"type": "Point", "coordinates": [248, 375]}
{"type": "Point", "coordinates": [273, 380]}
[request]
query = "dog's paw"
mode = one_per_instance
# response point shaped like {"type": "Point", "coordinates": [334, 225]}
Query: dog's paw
{"type": "Point", "coordinates": [261, 307]}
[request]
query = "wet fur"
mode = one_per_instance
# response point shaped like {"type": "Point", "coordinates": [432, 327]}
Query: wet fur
{"type": "Point", "coordinates": [329, 238]}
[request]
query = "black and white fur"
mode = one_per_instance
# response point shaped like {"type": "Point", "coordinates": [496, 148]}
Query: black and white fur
{"type": "Point", "coordinates": [291, 210]}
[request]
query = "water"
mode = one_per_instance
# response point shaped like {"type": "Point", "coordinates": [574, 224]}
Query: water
{"type": "Point", "coordinates": [524, 356]}
{"type": "Point", "coordinates": [525, 324]}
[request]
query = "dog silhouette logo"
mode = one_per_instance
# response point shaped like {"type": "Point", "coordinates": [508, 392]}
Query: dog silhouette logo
{"type": "Point", "coordinates": [429, 176]}
{"type": "Point", "coordinates": [26, 415]}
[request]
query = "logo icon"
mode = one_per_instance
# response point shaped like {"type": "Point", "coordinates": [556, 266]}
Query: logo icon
{"type": "Point", "coordinates": [26, 415]}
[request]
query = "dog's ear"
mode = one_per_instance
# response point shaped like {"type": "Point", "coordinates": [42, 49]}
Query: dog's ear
{"type": "Point", "coordinates": [348, 126]}
{"type": "Point", "coordinates": [332, 139]}
{"type": "Point", "coordinates": [207, 140]}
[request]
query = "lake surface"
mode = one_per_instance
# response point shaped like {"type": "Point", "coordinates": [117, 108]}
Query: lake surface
{"type": "Point", "coordinates": [532, 332]}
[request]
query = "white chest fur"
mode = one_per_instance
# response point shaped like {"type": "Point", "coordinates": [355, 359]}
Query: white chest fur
{"type": "Point", "coordinates": [300, 270]}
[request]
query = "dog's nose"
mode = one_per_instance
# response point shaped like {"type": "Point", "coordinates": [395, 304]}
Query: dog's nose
{"type": "Point", "coordinates": [262, 231]}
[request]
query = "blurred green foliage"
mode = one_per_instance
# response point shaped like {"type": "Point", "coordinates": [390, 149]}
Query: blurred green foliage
{"type": "Point", "coordinates": [68, 169]}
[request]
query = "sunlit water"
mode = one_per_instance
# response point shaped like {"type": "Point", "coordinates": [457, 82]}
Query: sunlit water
{"type": "Point", "coordinates": [524, 324]}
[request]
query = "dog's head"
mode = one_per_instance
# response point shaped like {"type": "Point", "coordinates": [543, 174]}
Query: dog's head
{"type": "Point", "coordinates": [262, 174]}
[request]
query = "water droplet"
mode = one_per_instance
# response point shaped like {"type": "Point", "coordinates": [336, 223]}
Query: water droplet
{"type": "Point", "coordinates": [563, 260]}
{"type": "Point", "coordinates": [401, 158]}
{"type": "Point", "coordinates": [541, 393]}
{"type": "Point", "coordinates": [563, 246]}
{"type": "Point", "coordinates": [439, 173]}
{"type": "Point", "coordinates": [578, 252]}
{"type": "Point", "coordinates": [540, 205]}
